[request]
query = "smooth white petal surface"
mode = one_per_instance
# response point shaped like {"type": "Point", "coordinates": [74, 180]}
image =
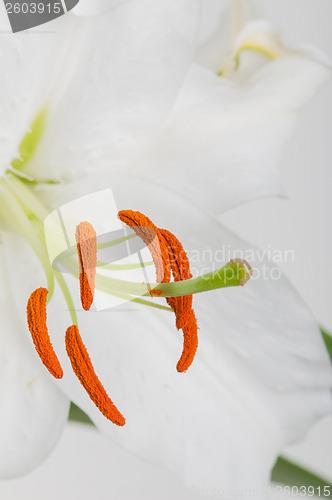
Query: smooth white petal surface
{"type": "Point", "coordinates": [28, 64]}
{"type": "Point", "coordinates": [97, 7]}
{"type": "Point", "coordinates": [223, 143]}
{"type": "Point", "coordinates": [33, 410]}
{"type": "Point", "coordinates": [260, 34]}
{"type": "Point", "coordinates": [128, 69]}
{"type": "Point", "coordinates": [261, 376]}
{"type": "Point", "coordinates": [215, 33]}
{"type": "Point", "coordinates": [221, 22]}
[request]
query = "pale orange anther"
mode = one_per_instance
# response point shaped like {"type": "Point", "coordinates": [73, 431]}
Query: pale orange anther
{"type": "Point", "coordinates": [86, 240]}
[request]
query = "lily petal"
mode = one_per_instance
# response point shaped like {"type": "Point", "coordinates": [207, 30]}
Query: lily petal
{"type": "Point", "coordinates": [96, 7]}
{"type": "Point", "coordinates": [33, 410]}
{"type": "Point", "coordinates": [28, 68]}
{"type": "Point", "coordinates": [260, 379]}
{"type": "Point", "coordinates": [221, 22]}
{"type": "Point", "coordinates": [142, 50]}
{"type": "Point", "coordinates": [222, 145]}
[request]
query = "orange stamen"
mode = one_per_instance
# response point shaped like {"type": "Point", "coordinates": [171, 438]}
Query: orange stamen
{"type": "Point", "coordinates": [181, 271]}
{"type": "Point", "coordinates": [86, 240]}
{"type": "Point", "coordinates": [182, 306]}
{"type": "Point", "coordinates": [169, 254]}
{"type": "Point", "coordinates": [37, 316]}
{"type": "Point", "coordinates": [190, 343]}
{"type": "Point", "coordinates": [82, 366]}
{"type": "Point", "coordinates": [149, 233]}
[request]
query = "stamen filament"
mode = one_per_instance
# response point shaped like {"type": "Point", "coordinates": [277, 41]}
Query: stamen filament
{"type": "Point", "coordinates": [108, 244]}
{"type": "Point", "coordinates": [122, 267]}
{"type": "Point", "coordinates": [82, 366]}
{"type": "Point", "coordinates": [12, 210]}
{"type": "Point", "coordinates": [26, 197]}
{"type": "Point", "coordinates": [63, 285]}
{"type": "Point", "coordinates": [37, 316]}
{"type": "Point", "coordinates": [65, 255]}
{"type": "Point", "coordinates": [135, 299]}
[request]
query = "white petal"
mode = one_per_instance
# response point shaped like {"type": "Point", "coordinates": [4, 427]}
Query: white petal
{"type": "Point", "coordinates": [28, 64]}
{"type": "Point", "coordinates": [261, 376]}
{"type": "Point", "coordinates": [96, 7]}
{"type": "Point", "coordinates": [214, 34]}
{"type": "Point", "coordinates": [131, 64]}
{"type": "Point", "coordinates": [33, 410]}
{"type": "Point", "coordinates": [260, 33]}
{"type": "Point", "coordinates": [221, 22]}
{"type": "Point", "coordinates": [223, 144]}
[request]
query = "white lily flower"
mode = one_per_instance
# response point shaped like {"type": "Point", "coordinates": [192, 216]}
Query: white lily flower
{"type": "Point", "coordinates": [233, 117]}
{"type": "Point", "coordinates": [222, 424]}
{"type": "Point", "coordinates": [114, 86]}
{"type": "Point", "coordinates": [261, 377]}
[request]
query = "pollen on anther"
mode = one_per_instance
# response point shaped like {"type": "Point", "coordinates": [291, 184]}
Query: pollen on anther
{"type": "Point", "coordinates": [181, 271]}
{"type": "Point", "coordinates": [148, 232]}
{"type": "Point", "coordinates": [83, 368]}
{"type": "Point", "coordinates": [169, 255]}
{"type": "Point", "coordinates": [37, 317]}
{"type": "Point", "coordinates": [182, 306]}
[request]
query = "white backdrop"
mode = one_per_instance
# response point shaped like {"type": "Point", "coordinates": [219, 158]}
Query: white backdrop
{"type": "Point", "coordinates": [86, 465]}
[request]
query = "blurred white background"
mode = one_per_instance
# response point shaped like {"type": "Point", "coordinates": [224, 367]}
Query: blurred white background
{"type": "Point", "coordinates": [87, 465]}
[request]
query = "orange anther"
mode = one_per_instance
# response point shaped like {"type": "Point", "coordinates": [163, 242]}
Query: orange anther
{"type": "Point", "coordinates": [168, 254]}
{"type": "Point", "coordinates": [36, 314]}
{"type": "Point", "coordinates": [149, 233]}
{"type": "Point", "coordinates": [82, 366]}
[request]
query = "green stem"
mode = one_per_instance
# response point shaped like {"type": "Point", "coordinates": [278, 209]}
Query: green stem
{"type": "Point", "coordinates": [234, 273]}
{"type": "Point", "coordinates": [130, 298]}
{"type": "Point", "coordinates": [77, 415]}
{"type": "Point", "coordinates": [63, 285]}
{"type": "Point", "coordinates": [328, 341]}
{"type": "Point", "coordinates": [12, 211]}
{"type": "Point", "coordinates": [290, 474]}
{"type": "Point", "coordinates": [25, 196]}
